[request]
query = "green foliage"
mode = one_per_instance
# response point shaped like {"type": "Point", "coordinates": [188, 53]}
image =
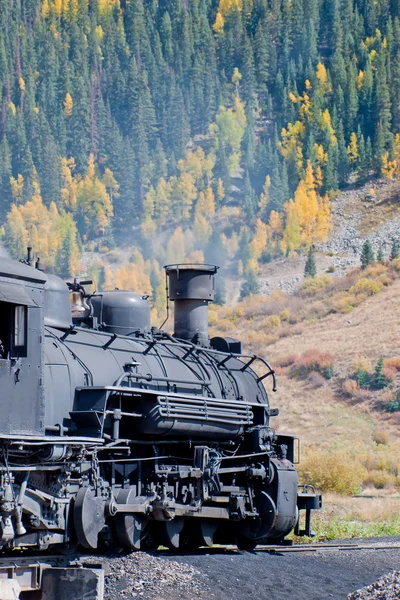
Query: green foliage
{"type": "Point", "coordinates": [367, 255]}
{"type": "Point", "coordinates": [250, 285]}
{"type": "Point", "coordinates": [310, 269]}
{"type": "Point", "coordinates": [363, 378]}
{"type": "Point", "coordinates": [394, 251]}
{"type": "Point", "coordinates": [380, 257]}
{"type": "Point", "coordinates": [394, 405]}
{"type": "Point", "coordinates": [380, 380]}
{"type": "Point", "coordinates": [135, 84]}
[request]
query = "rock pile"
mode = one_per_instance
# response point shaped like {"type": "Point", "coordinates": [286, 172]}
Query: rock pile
{"type": "Point", "coordinates": [386, 588]}
{"type": "Point", "coordinates": [146, 577]}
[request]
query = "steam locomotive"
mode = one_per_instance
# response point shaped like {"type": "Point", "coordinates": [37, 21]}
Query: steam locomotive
{"type": "Point", "coordinates": [117, 433]}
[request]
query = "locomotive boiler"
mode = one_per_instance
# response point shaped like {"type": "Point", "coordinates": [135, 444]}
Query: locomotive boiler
{"type": "Point", "coordinates": [117, 433]}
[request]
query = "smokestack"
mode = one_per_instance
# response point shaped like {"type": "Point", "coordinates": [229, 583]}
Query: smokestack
{"type": "Point", "coordinates": [191, 287]}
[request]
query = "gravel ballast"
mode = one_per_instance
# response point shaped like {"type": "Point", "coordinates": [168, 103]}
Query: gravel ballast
{"type": "Point", "coordinates": [386, 588]}
{"type": "Point", "coordinates": [226, 574]}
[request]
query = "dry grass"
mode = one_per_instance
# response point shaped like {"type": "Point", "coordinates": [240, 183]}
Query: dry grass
{"type": "Point", "coordinates": [344, 517]}
{"type": "Point", "coordinates": [340, 419]}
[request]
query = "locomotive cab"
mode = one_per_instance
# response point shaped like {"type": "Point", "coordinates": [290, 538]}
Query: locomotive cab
{"type": "Point", "coordinates": [21, 334]}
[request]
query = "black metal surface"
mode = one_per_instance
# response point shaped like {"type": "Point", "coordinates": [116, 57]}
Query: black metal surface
{"type": "Point", "coordinates": [133, 438]}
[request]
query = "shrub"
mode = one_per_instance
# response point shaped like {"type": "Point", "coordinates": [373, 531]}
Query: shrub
{"type": "Point", "coordinates": [380, 436]}
{"type": "Point", "coordinates": [366, 286]}
{"type": "Point", "coordinates": [360, 363]}
{"type": "Point", "coordinates": [380, 479]}
{"type": "Point", "coordinates": [343, 302]}
{"type": "Point", "coordinates": [332, 471]}
{"type": "Point", "coordinates": [315, 360]}
{"type": "Point", "coordinates": [331, 269]}
{"type": "Point", "coordinates": [272, 321]}
{"type": "Point", "coordinates": [350, 387]}
{"type": "Point", "coordinates": [390, 373]}
{"type": "Point", "coordinates": [393, 363]}
{"type": "Point", "coordinates": [394, 405]}
{"type": "Point", "coordinates": [285, 314]}
{"type": "Point", "coordinates": [375, 270]}
{"type": "Point", "coordinates": [316, 379]}
{"type": "Point", "coordinates": [396, 264]}
{"type": "Point", "coordinates": [286, 361]}
{"type": "Point", "coordinates": [313, 285]}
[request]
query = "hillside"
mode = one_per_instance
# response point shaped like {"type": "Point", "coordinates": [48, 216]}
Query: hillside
{"type": "Point", "coordinates": [325, 340]}
{"type": "Point", "coordinates": [198, 129]}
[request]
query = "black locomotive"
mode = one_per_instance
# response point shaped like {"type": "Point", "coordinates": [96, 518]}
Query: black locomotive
{"type": "Point", "coordinates": [118, 433]}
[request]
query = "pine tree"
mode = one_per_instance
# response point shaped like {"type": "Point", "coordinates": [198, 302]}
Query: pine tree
{"type": "Point", "coordinates": [394, 251]}
{"type": "Point", "coordinates": [380, 256]}
{"type": "Point", "coordinates": [367, 255]}
{"type": "Point", "coordinates": [250, 285]}
{"type": "Point", "coordinates": [380, 380]}
{"type": "Point", "coordinates": [310, 269]}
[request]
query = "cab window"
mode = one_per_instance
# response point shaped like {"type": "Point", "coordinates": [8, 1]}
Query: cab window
{"type": "Point", "coordinates": [13, 331]}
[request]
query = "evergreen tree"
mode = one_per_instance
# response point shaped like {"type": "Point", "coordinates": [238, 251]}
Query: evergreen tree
{"type": "Point", "coordinates": [250, 285]}
{"type": "Point", "coordinates": [394, 251]}
{"type": "Point", "coordinates": [380, 257]}
{"type": "Point", "coordinates": [310, 269]}
{"type": "Point", "coordinates": [380, 380]}
{"type": "Point", "coordinates": [367, 255]}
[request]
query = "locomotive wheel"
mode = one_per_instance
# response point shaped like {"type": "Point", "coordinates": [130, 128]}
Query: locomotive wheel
{"type": "Point", "coordinates": [244, 543]}
{"type": "Point", "coordinates": [207, 530]}
{"type": "Point", "coordinates": [196, 533]}
{"type": "Point", "coordinates": [132, 531]}
{"type": "Point", "coordinates": [89, 517]}
{"type": "Point", "coordinates": [170, 532]}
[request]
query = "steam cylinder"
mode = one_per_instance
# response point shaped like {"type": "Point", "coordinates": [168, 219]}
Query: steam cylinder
{"type": "Point", "coordinates": [191, 288]}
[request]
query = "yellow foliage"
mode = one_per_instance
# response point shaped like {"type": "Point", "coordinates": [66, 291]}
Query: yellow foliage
{"type": "Point", "coordinates": [360, 80]}
{"type": "Point", "coordinates": [291, 142]}
{"type": "Point", "coordinates": [68, 105]}
{"type": "Point", "coordinates": [388, 167]}
{"type": "Point", "coordinates": [46, 229]}
{"type": "Point", "coordinates": [322, 76]}
{"type": "Point", "coordinates": [352, 149]}
{"type": "Point", "coordinates": [226, 6]}
{"type": "Point", "coordinates": [366, 286]}
{"type": "Point", "coordinates": [264, 196]}
{"type": "Point", "coordinates": [21, 84]}
{"type": "Point", "coordinates": [220, 191]}
{"type": "Point", "coordinates": [108, 278]}
{"type": "Point", "coordinates": [205, 205]}
{"type": "Point", "coordinates": [308, 217]}
{"type": "Point", "coordinates": [230, 125]}
{"type": "Point", "coordinates": [93, 202]}
{"type": "Point", "coordinates": [218, 26]}
{"type": "Point", "coordinates": [176, 247]}
{"type": "Point", "coordinates": [132, 277]}
{"type": "Point", "coordinates": [320, 154]}
{"type": "Point", "coordinates": [69, 183]}
{"type": "Point", "coordinates": [202, 228]}
{"type": "Point", "coordinates": [326, 124]}
{"type": "Point", "coordinates": [17, 188]}
{"type": "Point", "coordinates": [291, 235]}
{"type": "Point", "coordinates": [259, 241]}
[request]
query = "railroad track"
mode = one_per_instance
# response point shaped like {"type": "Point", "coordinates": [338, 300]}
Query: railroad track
{"type": "Point", "coordinates": [313, 547]}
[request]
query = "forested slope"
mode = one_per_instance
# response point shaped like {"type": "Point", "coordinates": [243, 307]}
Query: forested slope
{"type": "Point", "coordinates": [185, 127]}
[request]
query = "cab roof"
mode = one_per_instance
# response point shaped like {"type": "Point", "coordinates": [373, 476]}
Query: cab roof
{"type": "Point", "coordinates": [16, 270]}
